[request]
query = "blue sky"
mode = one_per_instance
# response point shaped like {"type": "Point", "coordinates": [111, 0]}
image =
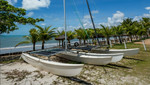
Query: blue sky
{"type": "Point", "coordinates": [107, 12]}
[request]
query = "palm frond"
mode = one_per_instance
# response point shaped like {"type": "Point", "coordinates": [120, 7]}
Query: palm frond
{"type": "Point", "coordinates": [23, 42]}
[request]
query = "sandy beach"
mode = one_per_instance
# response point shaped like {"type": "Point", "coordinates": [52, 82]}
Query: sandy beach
{"type": "Point", "coordinates": [36, 77]}
{"type": "Point", "coordinates": [131, 70]}
{"type": "Point", "coordinates": [147, 42]}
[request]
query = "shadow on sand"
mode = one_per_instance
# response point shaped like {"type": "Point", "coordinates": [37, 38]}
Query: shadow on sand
{"type": "Point", "coordinates": [78, 80]}
{"type": "Point", "coordinates": [120, 66]}
{"type": "Point", "coordinates": [133, 59]}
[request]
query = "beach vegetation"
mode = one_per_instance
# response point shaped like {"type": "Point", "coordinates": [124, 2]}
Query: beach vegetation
{"type": "Point", "coordinates": [33, 37]}
{"type": "Point", "coordinates": [10, 16]}
{"type": "Point", "coordinates": [45, 34]}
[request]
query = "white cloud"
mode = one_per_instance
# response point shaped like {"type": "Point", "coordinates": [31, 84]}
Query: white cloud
{"type": "Point", "coordinates": [35, 4]}
{"type": "Point", "coordinates": [87, 17]}
{"type": "Point", "coordinates": [30, 14]}
{"type": "Point", "coordinates": [12, 2]}
{"type": "Point", "coordinates": [56, 19]}
{"type": "Point", "coordinates": [137, 18]}
{"type": "Point", "coordinates": [116, 19]}
{"type": "Point", "coordinates": [95, 12]}
{"type": "Point", "coordinates": [146, 15]}
{"type": "Point", "coordinates": [43, 24]}
{"type": "Point", "coordinates": [147, 8]}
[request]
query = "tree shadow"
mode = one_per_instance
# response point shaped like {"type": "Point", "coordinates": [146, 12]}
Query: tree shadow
{"type": "Point", "coordinates": [120, 66]}
{"type": "Point", "coordinates": [108, 66]}
{"type": "Point", "coordinates": [78, 80]}
{"type": "Point", "coordinates": [133, 59]}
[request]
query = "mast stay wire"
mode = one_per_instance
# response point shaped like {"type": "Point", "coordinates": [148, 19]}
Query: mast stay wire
{"type": "Point", "coordinates": [77, 14]}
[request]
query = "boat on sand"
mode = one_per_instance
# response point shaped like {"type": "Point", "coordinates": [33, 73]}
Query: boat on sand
{"type": "Point", "coordinates": [89, 59]}
{"type": "Point", "coordinates": [62, 69]}
{"type": "Point", "coordinates": [127, 52]}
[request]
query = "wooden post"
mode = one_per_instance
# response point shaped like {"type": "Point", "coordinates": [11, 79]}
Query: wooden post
{"type": "Point", "coordinates": [110, 43]}
{"type": "Point", "coordinates": [144, 45]}
{"type": "Point", "coordinates": [125, 46]}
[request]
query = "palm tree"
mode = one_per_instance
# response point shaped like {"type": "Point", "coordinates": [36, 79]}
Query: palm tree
{"type": "Point", "coordinates": [118, 31]}
{"type": "Point", "coordinates": [33, 37]}
{"type": "Point", "coordinates": [107, 32]}
{"type": "Point", "coordinates": [127, 24]}
{"type": "Point", "coordinates": [70, 35]}
{"type": "Point", "coordinates": [81, 35]}
{"type": "Point", "coordinates": [45, 34]}
{"type": "Point", "coordinates": [146, 24]}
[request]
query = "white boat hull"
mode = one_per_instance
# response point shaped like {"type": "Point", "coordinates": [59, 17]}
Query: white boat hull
{"type": "Point", "coordinates": [115, 56]}
{"type": "Point", "coordinates": [127, 52]}
{"type": "Point", "coordinates": [57, 68]}
{"type": "Point", "coordinates": [89, 59]}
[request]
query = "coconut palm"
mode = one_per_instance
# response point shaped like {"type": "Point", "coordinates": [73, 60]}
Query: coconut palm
{"type": "Point", "coordinates": [146, 24]}
{"type": "Point", "coordinates": [107, 32]}
{"type": "Point", "coordinates": [70, 35]}
{"type": "Point", "coordinates": [81, 35]}
{"type": "Point", "coordinates": [31, 38]}
{"type": "Point", "coordinates": [118, 31]}
{"type": "Point", "coordinates": [45, 34]}
{"type": "Point", "coordinates": [127, 24]}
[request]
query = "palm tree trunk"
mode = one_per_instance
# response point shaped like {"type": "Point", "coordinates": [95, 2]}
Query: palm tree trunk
{"type": "Point", "coordinates": [107, 40]}
{"type": "Point", "coordinates": [43, 44]}
{"type": "Point", "coordinates": [84, 41]}
{"type": "Point", "coordinates": [120, 39]}
{"type": "Point", "coordinates": [33, 46]}
{"type": "Point", "coordinates": [80, 41]}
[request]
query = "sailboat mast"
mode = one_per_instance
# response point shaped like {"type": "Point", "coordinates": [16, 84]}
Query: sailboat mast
{"type": "Point", "coordinates": [92, 22]}
{"type": "Point", "coordinates": [65, 25]}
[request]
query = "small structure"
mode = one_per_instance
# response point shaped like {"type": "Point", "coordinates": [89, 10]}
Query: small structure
{"type": "Point", "coordinates": [60, 39]}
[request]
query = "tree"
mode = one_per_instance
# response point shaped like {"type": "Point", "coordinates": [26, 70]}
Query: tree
{"type": "Point", "coordinates": [107, 32]}
{"type": "Point", "coordinates": [146, 24]}
{"type": "Point", "coordinates": [32, 38]}
{"type": "Point", "coordinates": [118, 31]}
{"type": "Point", "coordinates": [10, 16]}
{"type": "Point", "coordinates": [81, 35]}
{"type": "Point", "coordinates": [127, 24]}
{"type": "Point", "coordinates": [45, 34]}
{"type": "Point", "coordinates": [70, 35]}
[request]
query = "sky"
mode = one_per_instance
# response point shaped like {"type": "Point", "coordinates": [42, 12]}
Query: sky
{"type": "Point", "coordinates": [106, 12]}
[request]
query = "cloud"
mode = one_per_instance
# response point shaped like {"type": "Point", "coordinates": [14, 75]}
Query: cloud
{"type": "Point", "coordinates": [30, 14]}
{"type": "Point", "coordinates": [115, 20]}
{"type": "Point", "coordinates": [147, 8]}
{"type": "Point", "coordinates": [56, 19]}
{"type": "Point", "coordinates": [43, 24]}
{"type": "Point", "coordinates": [146, 15]}
{"type": "Point", "coordinates": [35, 4]}
{"type": "Point", "coordinates": [12, 2]}
{"type": "Point", "coordinates": [95, 12]}
{"type": "Point", "coordinates": [137, 18]}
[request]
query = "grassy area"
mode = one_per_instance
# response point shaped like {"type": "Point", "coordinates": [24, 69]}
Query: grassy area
{"type": "Point", "coordinates": [131, 70]}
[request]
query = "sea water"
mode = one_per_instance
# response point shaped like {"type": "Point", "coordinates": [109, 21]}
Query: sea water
{"type": "Point", "coordinates": [8, 42]}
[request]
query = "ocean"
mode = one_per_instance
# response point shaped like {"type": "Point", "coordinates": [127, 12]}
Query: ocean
{"type": "Point", "coordinates": [8, 42]}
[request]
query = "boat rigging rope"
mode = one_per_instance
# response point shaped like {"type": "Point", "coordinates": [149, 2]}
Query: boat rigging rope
{"type": "Point", "coordinates": [77, 14]}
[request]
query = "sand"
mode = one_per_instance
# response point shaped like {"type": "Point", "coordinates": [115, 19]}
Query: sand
{"type": "Point", "coordinates": [32, 79]}
{"type": "Point", "coordinates": [147, 42]}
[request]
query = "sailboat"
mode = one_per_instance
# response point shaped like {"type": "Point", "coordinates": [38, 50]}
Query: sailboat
{"type": "Point", "coordinates": [90, 58]}
{"type": "Point", "coordinates": [62, 69]}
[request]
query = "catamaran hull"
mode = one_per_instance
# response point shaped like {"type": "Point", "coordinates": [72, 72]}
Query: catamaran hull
{"type": "Point", "coordinates": [127, 52]}
{"type": "Point", "coordinates": [95, 60]}
{"type": "Point", "coordinates": [57, 68]}
{"type": "Point", "coordinates": [115, 56]}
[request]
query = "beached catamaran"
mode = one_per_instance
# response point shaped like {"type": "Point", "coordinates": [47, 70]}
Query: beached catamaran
{"type": "Point", "coordinates": [62, 69]}
{"type": "Point", "coordinates": [90, 58]}
{"type": "Point", "coordinates": [65, 69]}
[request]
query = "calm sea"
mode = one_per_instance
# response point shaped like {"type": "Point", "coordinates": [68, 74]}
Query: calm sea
{"type": "Point", "coordinates": [8, 42]}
